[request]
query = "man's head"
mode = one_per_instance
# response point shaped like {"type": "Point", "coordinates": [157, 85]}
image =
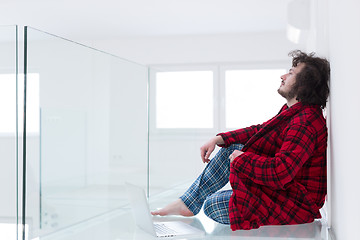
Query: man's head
{"type": "Point", "coordinates": [307, 80]}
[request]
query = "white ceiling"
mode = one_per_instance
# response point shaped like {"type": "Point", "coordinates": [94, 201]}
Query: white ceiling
{"type": "Point", "coordinates": [103, 19]}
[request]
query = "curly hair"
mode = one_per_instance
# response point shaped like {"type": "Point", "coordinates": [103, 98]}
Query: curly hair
{"type": "Point", "coordinates": [312, 82]}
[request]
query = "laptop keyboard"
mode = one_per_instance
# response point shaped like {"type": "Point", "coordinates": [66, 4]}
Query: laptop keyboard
{"type": "Point", "coordinates": [162, 229]}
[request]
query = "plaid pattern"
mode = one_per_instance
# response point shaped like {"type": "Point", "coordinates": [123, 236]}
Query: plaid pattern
{"type": "Point", "coordinates": [213, 178]}
{"type": "Point", "coordinates": [281, 177]}
{"type": "Point", "coordinates": [216, 206]}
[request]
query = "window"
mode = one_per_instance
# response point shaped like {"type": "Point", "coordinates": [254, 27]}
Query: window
{"type": "Point", "coordinates": [184, 99]}
{"type": "Point", "coordinates": [214, 98]}
{"type": "Point", "coordinates": [251, 96]}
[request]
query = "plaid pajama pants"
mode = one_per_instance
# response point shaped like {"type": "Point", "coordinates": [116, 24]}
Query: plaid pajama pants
{"type": "Point", "coordinates": [206, 188]}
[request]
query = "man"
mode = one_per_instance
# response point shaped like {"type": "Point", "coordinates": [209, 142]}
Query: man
{"type": "Point", "coordinates": [277, 170]}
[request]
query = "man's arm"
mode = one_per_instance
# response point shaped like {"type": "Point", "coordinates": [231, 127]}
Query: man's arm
{"type": "Point", "coordinates": [208, 148]}
{"type": "Point", "coordinates": [226, 139]}
{"type": "Point", "coordinates": [239, 136]}
{"type": "Point", "coordinates": [277, 171]}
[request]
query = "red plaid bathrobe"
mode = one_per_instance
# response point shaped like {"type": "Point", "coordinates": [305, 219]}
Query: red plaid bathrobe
{"type": "Point", "coordinates": [281, 176]}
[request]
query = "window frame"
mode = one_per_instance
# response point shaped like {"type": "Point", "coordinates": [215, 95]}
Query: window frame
{"type": "Point", "coordinates": [243, 66]}
{"type": "Point", "coordinates": [219, 71]}
{"type": "Point", "coordinates": [152, 100]}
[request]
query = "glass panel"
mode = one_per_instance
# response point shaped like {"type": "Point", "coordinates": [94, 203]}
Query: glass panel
{"type": "Point", "coordinates": [86, 132]}
{"type": "Point", "coordinates": [8, 133]}
{"type": "Point", "coordinates": [245, 90]}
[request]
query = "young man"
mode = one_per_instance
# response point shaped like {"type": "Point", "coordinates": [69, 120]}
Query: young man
{"type": "Point", "coordinates": [277, 170]}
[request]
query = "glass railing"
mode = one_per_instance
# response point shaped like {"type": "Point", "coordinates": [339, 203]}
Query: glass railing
{"type": "Point", "coordinates": [8, 133]}
{"type": "Point", "coordinates": [86, 132]}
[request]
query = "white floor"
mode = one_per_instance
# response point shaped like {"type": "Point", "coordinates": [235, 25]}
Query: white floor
{"type": "Point", "coordinates": [119, 225]}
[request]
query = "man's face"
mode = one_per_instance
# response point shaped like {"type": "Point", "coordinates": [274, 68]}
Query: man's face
{"type": "Point", "coordinates": [288, 81]}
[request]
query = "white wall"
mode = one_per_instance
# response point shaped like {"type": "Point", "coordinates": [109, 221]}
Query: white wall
{"type": "Point", "coordinates": [344, 39]}
{"type": "Point", "coordinates": [250, 47]}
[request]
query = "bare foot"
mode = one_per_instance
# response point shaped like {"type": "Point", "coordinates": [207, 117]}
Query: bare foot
{"type": "Point", "coordinates": [175, 208]}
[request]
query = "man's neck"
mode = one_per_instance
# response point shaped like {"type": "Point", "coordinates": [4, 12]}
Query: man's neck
{"type": "Point", "coordinates": [291, 102]}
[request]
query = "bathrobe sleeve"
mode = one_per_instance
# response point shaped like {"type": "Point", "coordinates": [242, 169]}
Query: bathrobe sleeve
{"type": "Point", "coordinates": [278, 170]}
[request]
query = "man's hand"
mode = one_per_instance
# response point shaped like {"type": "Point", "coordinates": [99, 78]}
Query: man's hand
{"type": "Point", "coordinates": [208, 148]}
{"type": "Point", "coordinates": [234, 155]}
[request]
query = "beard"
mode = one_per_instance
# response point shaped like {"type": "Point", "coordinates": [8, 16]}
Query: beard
{"type": "Point", "coordinates": [288, 94]}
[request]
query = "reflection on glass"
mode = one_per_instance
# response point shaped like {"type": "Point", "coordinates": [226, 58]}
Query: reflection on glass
{"type": "Point", "coordinates": [92, 118]}
{"type": "Point", "coordinates": [8, 96]}
{"type": "Point", "coordinates": [8, 103]}
{"type": "Point", "coordinates": [8, 133]}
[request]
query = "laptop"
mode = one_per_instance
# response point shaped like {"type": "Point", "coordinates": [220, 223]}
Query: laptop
{"type": "Point", "coordinates": [143, 218]}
